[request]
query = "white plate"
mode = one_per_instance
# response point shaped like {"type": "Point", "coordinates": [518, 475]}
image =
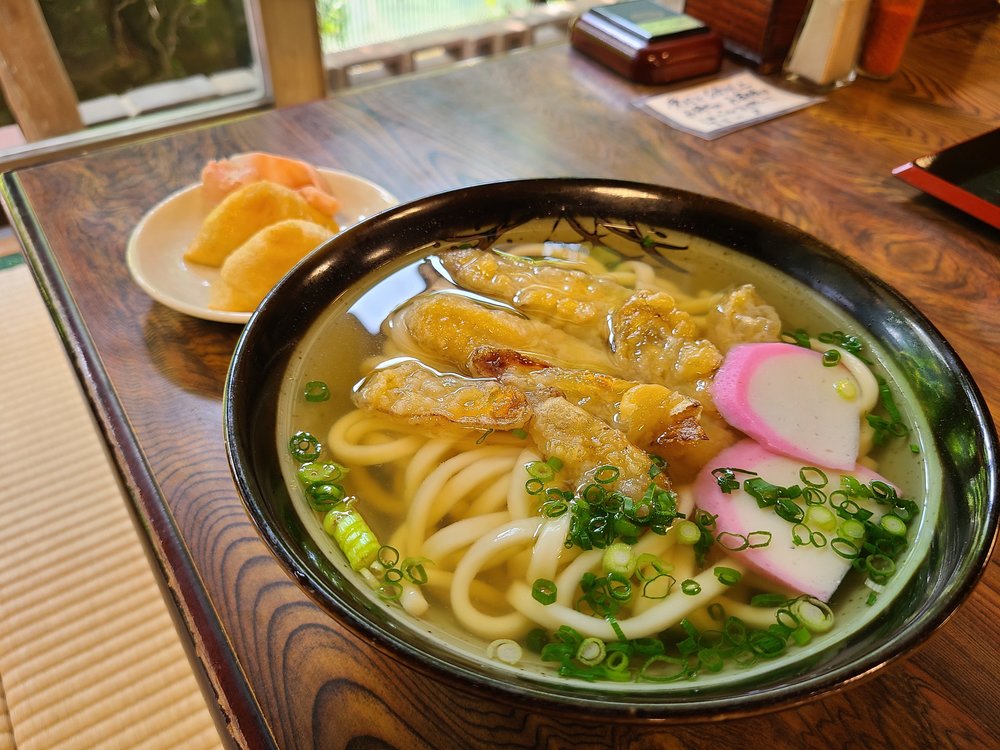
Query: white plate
{"type": "Point", "coordinates": [155, 253]}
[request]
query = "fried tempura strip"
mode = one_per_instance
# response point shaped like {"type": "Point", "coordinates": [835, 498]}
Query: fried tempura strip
{"type": "Point", "coordinates": [651, 416]}
{"type": "Point", "coordinates": [564, 297]}
{"type": "Point", "coordinates": [446, 327]}
{"type": "Point", "coordinates": [655, 342]}
{"type": "Point", "coordinates": [413, 393]}
{"type": "Point", "coordinates": [742, 316]}
{"type": "Point", "coordinates": [584, 444]}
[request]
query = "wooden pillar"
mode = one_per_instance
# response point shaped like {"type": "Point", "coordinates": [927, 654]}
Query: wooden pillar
{"type": "Point", "coordinates": [292, 50]}
{"type": "Point", "coordinates": [32, 76]}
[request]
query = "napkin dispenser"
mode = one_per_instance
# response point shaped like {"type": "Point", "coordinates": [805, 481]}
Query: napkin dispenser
{"type": "Point", "coordinates": [646, 42]}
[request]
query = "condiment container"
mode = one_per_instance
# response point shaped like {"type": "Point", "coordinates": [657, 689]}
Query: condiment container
{"type": "Point", "coordinates": [889, 30]}
{"type": "Point", "coordinates": [825, 52]}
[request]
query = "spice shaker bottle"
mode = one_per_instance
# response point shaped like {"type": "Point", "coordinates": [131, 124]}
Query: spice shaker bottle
{"type": "Point", "coordinates": [824, 54]}
{"type": "Point", "coordinates": [889, 30]}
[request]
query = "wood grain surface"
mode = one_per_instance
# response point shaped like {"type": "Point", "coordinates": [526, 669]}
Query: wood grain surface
{"type": "Point", "coordinates": [282, 672]}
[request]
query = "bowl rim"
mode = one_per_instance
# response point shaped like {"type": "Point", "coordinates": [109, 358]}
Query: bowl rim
{"type": "Point", "coordinates": [534, 696]}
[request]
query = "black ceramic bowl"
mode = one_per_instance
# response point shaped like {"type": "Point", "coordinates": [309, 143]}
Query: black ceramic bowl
{"type": "Point", "coordinates": [952, 426]}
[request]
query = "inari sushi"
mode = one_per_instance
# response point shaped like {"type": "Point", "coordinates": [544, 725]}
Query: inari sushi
{"type": "Point", "coordinates": [251, 270]}
{"type": "Point", "coordinates": [244, 213]}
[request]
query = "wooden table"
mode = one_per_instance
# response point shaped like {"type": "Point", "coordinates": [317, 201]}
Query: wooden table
{"type": "Point", "coordinates": [285, 674]}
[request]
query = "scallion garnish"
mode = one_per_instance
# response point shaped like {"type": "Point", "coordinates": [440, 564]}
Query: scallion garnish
{"type": "Point", "coordinates": [727, 576]}
{"type": "Point", "coordinates": [544, 591]}
{"type": "Point", "coordinates": [352, 534]}
{"type": "Point", "coordinates": [619, 558]}
{"type": "Point", "coordinates": [690, 587]}
{"type": "Point", "coordinates": [316, 390]}
{"type": "Point", "coordinates": [304, 447]}
{"type": "Point", "coordinates": [414, 571]}
{"type": "Point", "coordinates": [504, 650]}
{"type": "Point", "coordinates": [591, 651]}
{"type": "Point", "coordinates": [606, 474]}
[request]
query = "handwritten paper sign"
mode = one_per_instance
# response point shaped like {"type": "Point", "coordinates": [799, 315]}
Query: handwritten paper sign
{"type": "Point", "coordinates": [715, 109]}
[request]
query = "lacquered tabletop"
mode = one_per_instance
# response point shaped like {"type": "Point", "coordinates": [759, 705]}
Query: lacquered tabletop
{"type": "Point", "coordinates": [280, 671]}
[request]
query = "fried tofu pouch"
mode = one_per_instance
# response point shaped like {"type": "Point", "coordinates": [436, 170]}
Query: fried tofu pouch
{"type": "Point", "coordinates": [244, 213]}
{"type": "Point", "coordinates": [252, 270]}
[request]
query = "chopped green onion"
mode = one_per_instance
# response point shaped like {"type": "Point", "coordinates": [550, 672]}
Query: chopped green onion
{"type": "Point", "coordinates": [852, 529]}
{"type": "Point", "coordinates": [734, 630]}
{"type": "Point", "coordinates": [800, 535]}
{"type": "Point", "coordinates": [554, 508]}
{"type": "Point", "coordinates": [821, 517]}
{"type": "Point", "coordinates": [414, 570]}
{"type": "Point", "coordinates": [389, 592]}
{"type": "Point", "coordinates": [726, 479]}
{"type": "Point", "coordinates": [788, 510]}
{"type": "Point", "coordinates": [893, 524]}
{"type": "Point", "coordinates": [616, 661]}
{"type": "Point", "coordinates": [544, 591]}
{"type": "Point", "coordinates": [619, 587]}
{"type": "Point", "coordinates": [312, 472]}
{"type": "Point", "coordinates": [766, 643]}
{"type": "Point", "coordinates": [690, 587]}
{"type": "Point", "coordinates": [801, 635]}
{"type": "Point", "coordinates": [323, 496]}
{"type": "Point", "coordinates": [541, 470]}
{"type": "Point", "coordinates": [504, 650]}
{"type": "Point", "coordinates": [519, 433]}
{"type": "Point", "coordinates": [317, 390]}
{"type": "Point", "coordinates": [845, 547]}
{"type": "Point", "coordinates": [728, 576]}
{"type": "Point", "coordinates": [555, 462]}
{"type": "Point", "coordinates": [711, 660]}
{"type": "Point", "coordinates": [388, 556]}
{"type": "Point", "coordinates": [534, 486]}
{"type": "Point", "coordinates": [831, 358]}
{"type": "Point", "coordinates": [536, 639]}
{"type": "Point", "coordinates": [606, 474]}
{"type": "Point", "coordinates": [813, 614]}
{"type": "Point", "coordinates": [393, 575]}
{"type": "Point", "coordinates": [688, 532]}
{"type": "Point", "coordinates": [648, 646]}
{"type": "Point", "coordinates": [591, 651]}
{"type": "Point", "coordinates": [569, 634]}
{"type": "Point", "coordinates": [813, 476]}
{"type": "Point", "coordinates": [768, 600]}
{"type": "Point", "coordinates": [619, 558]}
{"type": "Point", "coordinates": [677, 668]}
{"type": "Point", "coordinates": [738, 543]}
{"type": "Point", "coordinates": [653, 590]}
{"type": "Point", "coordinates": [799, 337]}
{"type": "Point", "coordinates": [352, 534]}
{"type": "Point", "coordinates": [304, 447]}
{"type": "Point", "coordinates": [880, 567]}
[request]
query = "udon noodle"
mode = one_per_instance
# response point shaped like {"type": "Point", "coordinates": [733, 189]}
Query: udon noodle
{"type": "Point", "coordinates": [525, 445]}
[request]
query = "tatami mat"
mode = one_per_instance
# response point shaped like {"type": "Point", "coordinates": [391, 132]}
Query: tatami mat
{"type": "Point", "coordinates": [89, 657]}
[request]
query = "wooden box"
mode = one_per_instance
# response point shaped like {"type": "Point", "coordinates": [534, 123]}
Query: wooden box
{"type": "Point", "coordinates": [758, 31]}
{"type": "Point", "coordinates": [654, 60]}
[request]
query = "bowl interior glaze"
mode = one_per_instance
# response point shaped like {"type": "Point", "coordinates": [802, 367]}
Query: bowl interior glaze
{"type": "Point", "coordinates": [964, 439]}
